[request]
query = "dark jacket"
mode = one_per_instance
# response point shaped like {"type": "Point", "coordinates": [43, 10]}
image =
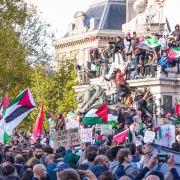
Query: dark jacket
{"type": "Point", "coordinates": [112, 77]}
{"type": "Point", "coordinates": [121, 118]}
{"type": "Point", "coordinates": [118, 45]}
{"type": "Point", "coordinates": [129, 118]}
{"type": "Point", "coordinates": [18, 168]}
{"type": "Point", "coordinates": [97, 170]}
{"type": "Point", "coordinates": [176, 32]}
{"type": "Point", "coordinates": [117, 169]}
{"type": "Point", "coordinates": [117, 131]}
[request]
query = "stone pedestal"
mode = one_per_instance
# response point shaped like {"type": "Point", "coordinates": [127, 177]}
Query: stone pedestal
{"type": "Point", "coordinates": [143, 29]}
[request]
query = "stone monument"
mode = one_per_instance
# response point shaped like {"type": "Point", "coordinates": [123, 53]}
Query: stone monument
{"type": "Point", "coordinates": [147, 21]}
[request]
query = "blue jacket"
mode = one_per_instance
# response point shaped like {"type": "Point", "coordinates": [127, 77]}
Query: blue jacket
{"type": "Point", "coordinates": [97, 170]}
{"type": "Point", "coordinates": [49, 169]}
{"type": "Point", "coordinates": [164, 61]}
{"type": "Point", "coordinates": [117, 169]}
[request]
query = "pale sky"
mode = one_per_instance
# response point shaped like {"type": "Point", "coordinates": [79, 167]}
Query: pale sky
{"type": "Point", "coordinates": [60, 13]}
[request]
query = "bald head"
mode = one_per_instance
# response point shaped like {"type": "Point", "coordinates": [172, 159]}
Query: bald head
{"type": "Point", "coordinates": [152, 177]}
{"type": "Point", "coordinates": [124, 178]}
{"type": "Point", "coordinates": [102, 160]}
{"type": "Point", "coordinates": [6, 163]}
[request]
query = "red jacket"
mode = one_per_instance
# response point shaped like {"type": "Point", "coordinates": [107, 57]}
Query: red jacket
{"type": "Point", "coordinates": [120, 79]}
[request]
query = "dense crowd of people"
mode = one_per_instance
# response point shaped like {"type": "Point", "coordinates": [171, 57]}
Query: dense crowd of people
{"type": "Point", "coordinates": [125, 60]}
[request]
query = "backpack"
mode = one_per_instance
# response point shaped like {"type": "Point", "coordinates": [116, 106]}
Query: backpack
{"type": "Point", "coordinates": [128, 100]}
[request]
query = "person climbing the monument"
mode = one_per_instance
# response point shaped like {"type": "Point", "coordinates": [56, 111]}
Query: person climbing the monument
{"type": "Point", "coordinates": [119, 83]}
{"type": "Point", "coordinates": [163, 63]}
{"type": "Point", "coordinates": [81, 74]}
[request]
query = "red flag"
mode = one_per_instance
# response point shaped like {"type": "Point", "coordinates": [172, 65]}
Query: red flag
{"type": "Point", "coordinates": [37, 131]}
{"type": "Point", "coordinates": [121, 137]}
{"type": "Point", "coordinates": [62, 116]}
{"type": "Point", "coordinates": [4, 103]}
{"type": "Point", "coordinates": [177, 111]}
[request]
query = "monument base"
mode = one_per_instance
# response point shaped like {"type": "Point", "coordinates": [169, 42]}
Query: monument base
{"type": "Point", "coordinates": [143, 29]}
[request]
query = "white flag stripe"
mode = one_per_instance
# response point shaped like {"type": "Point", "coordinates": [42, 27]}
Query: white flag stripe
{"type": "Point", "coordinates": [92, 113]}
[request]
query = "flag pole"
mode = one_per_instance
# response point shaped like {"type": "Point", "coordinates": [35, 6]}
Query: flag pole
{"type": "Point", "coordinates": [44, 128]}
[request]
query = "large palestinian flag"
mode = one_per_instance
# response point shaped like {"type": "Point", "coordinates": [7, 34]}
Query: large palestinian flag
{"type": "Point", "coordinates": [147, 44]}
{"type": "Point", "coordinates": [16, 111]}
{"type": "Point", "coordinates": [100, 114]}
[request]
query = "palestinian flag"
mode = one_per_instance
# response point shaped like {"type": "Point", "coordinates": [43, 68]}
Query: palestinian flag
{"type": "Point", "coordinates": [71, 114]}
{"type": "Point", "coordinates": [142, 125]}
{"type": "Point", "coordinates": [92, 38]}
{"type": "Point", "coordinates": [16, 111]}
{"type": "Point", "coordinates": [92, 67]}
{"type": "Point", "coordinates": [159, 134]}
{"type": "Point", "coordinates": [172, 119]}
{"type": "Point", "coordinates": [173, 53]}
{"type": "Point", "coordinates": [121, 137]}
{"type": "Point", "coordinates": [52, 142]}
{"type": "Point", "coordinates": [4, 103]}
{"type": "Point", "coordinates": [147, 44]}
{"type": "Point", "coordinates": [51, 117]}
{"type": "Point", "coordinates": [112, 117]}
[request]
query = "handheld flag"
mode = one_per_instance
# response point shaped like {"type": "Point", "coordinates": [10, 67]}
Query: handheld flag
{"type": "Point", "coordinates": [50, 117]}
{"type": "Point", "coordinates": [121, 137]}
{"type": "Point", "coordinates": [92, 67]}
{"type": "Point", "coordinates": [4, 103]}
{"type": "Point", "coordinates": [16, 111]}
{"type": "Point", "coordinates": [177, 110]}
{"type": "Point", "coordinates": [168, 26]}
{"type": "Point", "coordinates": [173, 53]}
{"type": "Point", "coordinates": [92, 38]}
{"type": "Point", "coordinates": [37, 131]}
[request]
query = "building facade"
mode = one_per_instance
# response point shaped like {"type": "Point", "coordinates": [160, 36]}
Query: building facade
{"type": "Point", "coordinates": [103, 20]}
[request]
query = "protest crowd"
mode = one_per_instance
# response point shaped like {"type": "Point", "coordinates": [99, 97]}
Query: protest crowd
{"type": "Point", "coordinates": [79, 150]}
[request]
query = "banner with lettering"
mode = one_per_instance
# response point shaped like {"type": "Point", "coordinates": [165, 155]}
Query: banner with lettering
{"type": "Point", "coordinates": [106, 129]}
{"type": "Point", "coordinates": [168, 136]}
{"type": "Point", "coordinates": [62, 138]}
{"type": "Point", "coordinates": [149, 136]}
{"type": "Point", "coordinates": [85, 135]}
{"type": "Point", "coordinates": [72, 122]}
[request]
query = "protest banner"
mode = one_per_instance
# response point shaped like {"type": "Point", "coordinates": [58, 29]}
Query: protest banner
{"type": "Point", "coordinates": [72, 122]}
{"type": "Point", "coordinates": [149, 136]}
{"type": "Point", "coordinates": [106, 129]}
{"type": "Point", "coordinates": [62, 138]}
{"type": "Point", "coordinates": [85, 135]}
{"type": "Point", "coordinates": [168, 136]}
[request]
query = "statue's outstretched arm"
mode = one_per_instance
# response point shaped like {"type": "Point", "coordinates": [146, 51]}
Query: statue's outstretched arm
{"type": "Point", "coordinates": [137, 4]}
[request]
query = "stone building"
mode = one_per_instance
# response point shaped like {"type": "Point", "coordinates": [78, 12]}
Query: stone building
{"type": "Point", "coordinates": [103, 20]}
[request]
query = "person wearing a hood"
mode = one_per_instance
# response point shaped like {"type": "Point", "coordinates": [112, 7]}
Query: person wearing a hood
{"type": "Point", "coordinates": [177, 30]}
{"type": "Point", "coordinates": [128, 42]}
{"type": "Point", "coordinates": [163, 63]}
{"type": "Point", "coordinates": [101, 164]}
{"type": "Point", "coordinates": [131, 169]}
{"type": "Point", "coordinates": [72, 160]}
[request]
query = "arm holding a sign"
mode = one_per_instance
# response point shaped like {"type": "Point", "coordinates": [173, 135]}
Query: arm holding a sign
{"type": "Point", "coordinates": [68, 152]}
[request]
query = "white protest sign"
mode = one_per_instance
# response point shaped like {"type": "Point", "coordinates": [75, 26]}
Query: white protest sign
{"type": "Point", "coordinates": [106, 129]}
{"type": "Point", "coordinates": [149, 136]}
{"type": "Point", "coordinates": [62, 138]}
{"type": "Point", "coordinates": [51, 126]}
{"type": "Point", "coordinates": [71, 123]}
{"type": "Point", "coordinates": [168, 136]}
{"type": "Point", "coordinates": [85, 135]}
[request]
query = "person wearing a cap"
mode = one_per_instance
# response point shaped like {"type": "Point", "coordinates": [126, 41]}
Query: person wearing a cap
{"type": "Point", "coordinates": [81, 71]}
{"type": "Point", "coordinates": [177, 30]}
{"type": "Point", "coordinates": [61, 167]}
{"type": "Point", "coordinates": [163, 63]}
{"type": "Point", "coordinates": [128, 42]}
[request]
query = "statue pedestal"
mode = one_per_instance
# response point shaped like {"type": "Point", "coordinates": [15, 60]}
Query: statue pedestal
{"type": "Point", "coordinates": [143, 29]}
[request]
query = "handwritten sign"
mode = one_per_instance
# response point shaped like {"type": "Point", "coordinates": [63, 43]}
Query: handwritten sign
{"type": "Point", "coordinates": [106, 129]}
{"type": "Point", "coordinates": [71, 123]}
{"type": "Point", "coordinates": [85, 135]}
{"type": "Point", "coordinates": [62, 138]}
{"type": "Point", "coordinates": [149, 136]}
{"type": "Point", "coordinates": [168, 136]}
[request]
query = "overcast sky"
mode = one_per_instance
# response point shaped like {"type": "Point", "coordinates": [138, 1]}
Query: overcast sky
{"type": "Point", "coordinates": [60, 13]}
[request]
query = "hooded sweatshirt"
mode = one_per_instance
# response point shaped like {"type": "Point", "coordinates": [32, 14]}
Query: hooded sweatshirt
{"type": "Point", "coordinates": [97, 170]}
{"type": "Point", "coordinates": [164, 61]}
{"type": "Point", "coordinates": [117, 169]}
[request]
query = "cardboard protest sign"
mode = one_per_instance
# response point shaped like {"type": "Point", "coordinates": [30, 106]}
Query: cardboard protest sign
{"type": "Point", "coordinates": [149, 136]}
{"type": "Point", "coordinates": [62, 138]}
{"type": "Point", "coordinates": [168, 136]}
{"type": "Point", "coordinates": [71, 122]}
{"type": "Point", "coordinates": [106, 129]}
{"type": "Point", "coordinates": [85, 135]}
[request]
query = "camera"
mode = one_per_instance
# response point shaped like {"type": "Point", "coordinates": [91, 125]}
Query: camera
{"type": "Point", "coordinates": [162, 157]}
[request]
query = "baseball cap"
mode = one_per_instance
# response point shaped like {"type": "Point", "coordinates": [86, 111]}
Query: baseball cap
{"type": "Point", "coordinates": [62, 167]}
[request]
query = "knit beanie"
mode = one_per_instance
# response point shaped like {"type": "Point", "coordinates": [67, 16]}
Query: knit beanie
{"type": "Point", "coordinates": [73, 160]}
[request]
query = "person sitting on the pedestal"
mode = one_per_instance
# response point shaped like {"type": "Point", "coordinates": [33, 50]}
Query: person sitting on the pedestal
{"type": "Point", "coordinates": [140, 67]}
{"type": "Point", "coordinates": [177, 30]}
{"type": "Point", "coordinates": [130, 64]}
{"type": "Point", "coordinates": [163, 63]}
{"type": "Point", "coordinates": [148, 65]}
